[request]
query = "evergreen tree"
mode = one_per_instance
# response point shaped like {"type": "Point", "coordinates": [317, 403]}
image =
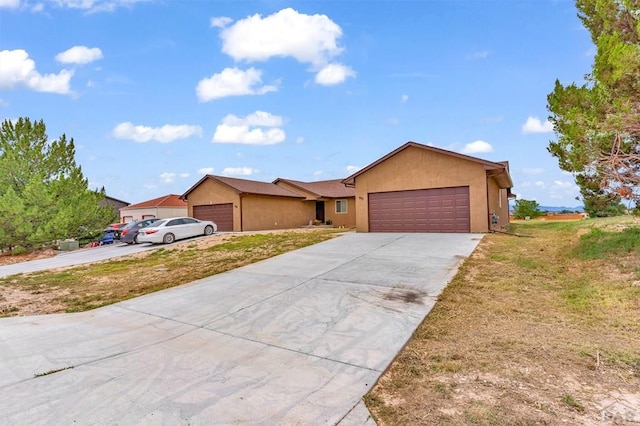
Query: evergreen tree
{"type": "Point", "coordinates": [44, 196]}
{"type": "Point", "coordinates": [598, 123]}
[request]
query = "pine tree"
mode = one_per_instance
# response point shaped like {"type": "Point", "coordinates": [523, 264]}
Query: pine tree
{"type": "Point", "coordinates": [44, 196]}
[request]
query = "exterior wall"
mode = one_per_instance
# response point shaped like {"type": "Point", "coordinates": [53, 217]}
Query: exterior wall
{"type": "Point", "coordinates": [159, 212]}
{"type": "Point", "coordinates": [213, 192]}
{"type": "Point", "coordinates": [347, 220]}
{"type": "Point", "coordinates": [498, 203]}
{"type": "Point", "coordinates": [415, 168]}
{"type": "Point", "coordinates": [264, 212]}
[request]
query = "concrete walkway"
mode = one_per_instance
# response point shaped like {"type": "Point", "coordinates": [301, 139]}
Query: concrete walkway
{"type": "Point", "coordinates": [297, 339]}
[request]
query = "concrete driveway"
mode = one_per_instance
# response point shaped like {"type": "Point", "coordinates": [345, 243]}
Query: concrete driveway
{"type": "Point", "coordinates": [297, 339]}
{"type": "Point", "coordinates": [76, 257]}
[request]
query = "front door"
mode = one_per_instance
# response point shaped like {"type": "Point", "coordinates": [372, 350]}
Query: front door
{"type": "Point", "coordinates": [320, 211]}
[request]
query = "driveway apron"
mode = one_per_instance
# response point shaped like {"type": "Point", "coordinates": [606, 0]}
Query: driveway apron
{"type": "Point", "coordinates": [296, 339]}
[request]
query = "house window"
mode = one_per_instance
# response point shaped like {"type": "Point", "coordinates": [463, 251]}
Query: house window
{"type": "Point", "coordinates": [341, 206]}
{"type": "Point", "coordinates": [127, 219]}
{"type": "Point", "coordinates": [147, 216]}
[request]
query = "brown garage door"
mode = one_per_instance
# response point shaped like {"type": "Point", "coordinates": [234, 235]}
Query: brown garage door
{"type": "Point", "coordinates": [221, 214]}
{"type": "Point", "coordinates": [424, 210]}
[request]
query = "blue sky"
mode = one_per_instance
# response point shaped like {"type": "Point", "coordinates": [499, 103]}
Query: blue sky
{"type": "Point", "coordinates": [157, 93]}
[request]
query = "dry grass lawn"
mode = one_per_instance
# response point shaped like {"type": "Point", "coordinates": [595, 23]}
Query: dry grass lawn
{"type": "Point", "coordinates": [542, 330]}
{"type": "Point", "coordinates": [89, 286]}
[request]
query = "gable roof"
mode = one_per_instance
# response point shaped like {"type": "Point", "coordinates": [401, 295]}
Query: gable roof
{"type": "Point", "coordinates": [333, 188]}
{"type": "Point", "coordinates": [115, 200]}
{"type": "Point", "coordinates": [499, 171]}
{"type": "Point", "coordinates": [171, 200]}
{"type": "Point", "coordinates": [245, 186]}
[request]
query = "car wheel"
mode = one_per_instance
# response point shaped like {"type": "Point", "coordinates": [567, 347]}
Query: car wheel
{"type": "Point", "coordinates": [208, 230]}
{"type": "Point", "coordinates": [135, 240]}
{"type": "Point", "coordinates": [169, 238]}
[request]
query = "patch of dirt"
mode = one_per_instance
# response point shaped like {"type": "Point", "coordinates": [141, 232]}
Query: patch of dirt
{"type": "Point", "coordinates": [9, 259]}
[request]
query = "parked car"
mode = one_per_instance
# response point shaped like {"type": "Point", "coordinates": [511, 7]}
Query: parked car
{"type": "Point", "coordinates": [129, 233]}
{"type": "Point", "coordinates": [176, 228]}
{"type": "Point", "coordinates": [115, 229]}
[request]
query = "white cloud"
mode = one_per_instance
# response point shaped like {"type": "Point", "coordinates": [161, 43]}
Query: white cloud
{"type": "Point", "coordinates": [533, 171]}
{"type": "Point", "coordinates": [534, 125]}
{"type": "Point", "coordinates": [258, 118]}
{"type": "Point", "coordinates": [334, 74]}
{"type": "Point", "coordinates": [482, 54]}
{"type": "Point", "coordinates": [38, 7]}
{"type": "Point", "coordinates": [318, 173]}
{"type": "Point", "coordinates": [205, 170]}
{"type": "Point", "coordinates": [540, 184]}
{"type": "Point", "coordinates": [9, 4]}
{"type": "Point", "coordinates": [232, 82]}
{"type": "Point", "coordinates": [220, 21]}
{"type": "Point", "coordinates": [239, 171]}
{"type": "Point", "coordinates": [259, 128]}
{"type": "Point", "coordinates": [4, 103]}
{"type": "Point", "coordinates": [309, 39]}
{"type": "Point", "coordinates": [93, 6]}
{"type": "Point", "coordinates": [404, 98]}
{"type": "Point", "coordinates": [477, 147]}
{"type": "Point", "coordinates": [558, 184]}
{"type": "Point", "coordinates": [184, 175]}
{"type": "Point", "coordinates": [79, 55]}
{"type": "Point", "coordinates": [352, 169]}
{"type": "Point", "coordinates": [168, 177]}
{"type": "Point", "coordinates": [17, 69]}
{"type": "Point", "coordinates": [299, 139]}
{"type": "Point", "coordinates": [164, 134]}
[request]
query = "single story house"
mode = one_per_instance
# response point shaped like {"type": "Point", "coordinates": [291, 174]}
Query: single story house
{"type": "Point", "coordinates": [247, 205]}
{"type": "Point", "coordinates": [420, 188]}
{"type": "Point", "coordinates": [162, 207]}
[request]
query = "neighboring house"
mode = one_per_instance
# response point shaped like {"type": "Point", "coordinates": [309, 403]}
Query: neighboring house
{"type": "Point", "coordinates": [113, 202]}
{"type": "Point", "coordinates": [247, 205]}
{"type": "Point", "coordinates": [419, 188]}
{"type": "Point", "coordinates": [162, 207]}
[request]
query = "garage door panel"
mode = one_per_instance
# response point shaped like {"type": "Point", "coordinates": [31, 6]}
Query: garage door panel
{"type": "Point", "coordinates": [221, 214]}
{"type": "Point", "coordinates": [425, 210]}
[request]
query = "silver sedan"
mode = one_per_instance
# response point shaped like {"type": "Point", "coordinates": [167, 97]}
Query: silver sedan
{"type": "Point", "coordinates": [176, 228]}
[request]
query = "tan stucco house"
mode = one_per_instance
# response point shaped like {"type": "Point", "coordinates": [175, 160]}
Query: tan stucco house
{"type": "Point", "coordinates": [162, 207]}
{"type": "Point", "coordinates": [419, 188]}
{"type": "Point", "coordinates": [248, 205]}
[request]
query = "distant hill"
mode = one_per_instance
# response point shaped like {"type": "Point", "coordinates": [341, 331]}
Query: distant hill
{"type": "Point", "coordinates": [561, 208]}
{"type": "Point", "coordinates": [555, 209]}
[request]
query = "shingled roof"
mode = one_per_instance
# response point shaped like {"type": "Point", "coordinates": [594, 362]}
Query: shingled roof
{"type": "Point", "coordinates": [171, 200]}
{"type": "Point", "coordinates": [323, 189]}
{"type": "Point", "coordinates": [245, 186]}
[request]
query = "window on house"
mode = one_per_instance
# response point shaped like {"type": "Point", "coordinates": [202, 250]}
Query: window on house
{"type": "Point", "coordinates": [341, 206]}
{"type": "Point", "coordinates": [147, 216]}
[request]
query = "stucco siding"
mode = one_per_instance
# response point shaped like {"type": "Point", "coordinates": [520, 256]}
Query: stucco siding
{"type": "Point", "coordinates": [498, 203]}
{"type": "Point", "coordinates": [415, 168]}
{"type": "Point", "coordinates": [347, 220]}
{"type": "Point", "coordinates": [263, 212]}
{"type": "Point", "coordinates": [212, 192]}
